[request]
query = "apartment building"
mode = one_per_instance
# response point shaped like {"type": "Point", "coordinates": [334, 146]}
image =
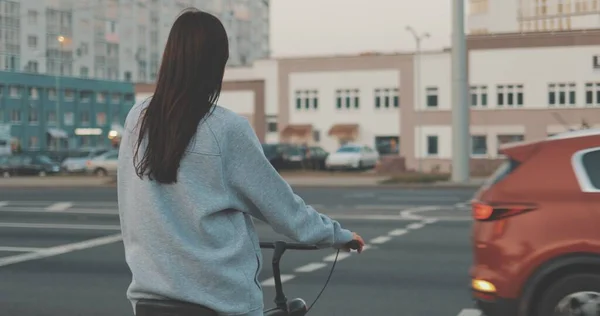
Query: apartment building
{"type": "Point", "coordinates": [509, 16]}
{"type": "Point", "coordinates": [115, 39]}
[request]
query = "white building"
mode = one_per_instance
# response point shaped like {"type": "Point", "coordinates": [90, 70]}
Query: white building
{"type": "Point", "coordinates": [116, 39]}
{"type": "Point", "coordinates": [508, 16]}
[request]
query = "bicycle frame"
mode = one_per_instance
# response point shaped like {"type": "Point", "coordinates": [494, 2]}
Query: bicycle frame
{"type": "Point", "coordinates": [294, 307]}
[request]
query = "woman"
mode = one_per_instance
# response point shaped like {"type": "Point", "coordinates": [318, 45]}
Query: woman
{"type": "Point", "coordinates": [191, 176]}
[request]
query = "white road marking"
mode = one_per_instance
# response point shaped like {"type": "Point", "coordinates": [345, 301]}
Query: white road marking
{"type": "Point", "coordinates": [470, 312]}
{"type": "Point", "coordinates": [3, 203]}
{"type": "Point", "coordinates": [374, 217]}
{"type": "Point", "coordinates": [60, 226]}
{"type": "Point", "coordinates": [381, 240]}
{"type": "Point", "coordinates": [419, 198]}
{"type": "Point", "coordinates": [415, 226]}
{"type": "Point", "coordinates": [381, 207]}
{"type": "Point", "coordinates": [430, 220]}
{"type": "Point", "coordinates": [398, 232]}
{"type": "Point", "coordinates": [311, 267]}
{"type": "Point", "coordinates": [271, 281]}
{"type": "Point", "coordinates": [67, 211]}
{"type": "Point", "coordinates": [342, 256]}
{"type": "Point", "coordinates": [20, 249]}
{"type": "Point", "coordinates": [59, 206]}
{"type": "Point", "coordinates": [59, 250]}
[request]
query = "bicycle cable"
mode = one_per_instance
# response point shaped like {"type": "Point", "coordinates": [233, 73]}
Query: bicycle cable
{"type": "Point", "coordinates": [326, 282]}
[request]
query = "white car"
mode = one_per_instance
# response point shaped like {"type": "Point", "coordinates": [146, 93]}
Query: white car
{"type": "Point", "coordinates": [353, 157]}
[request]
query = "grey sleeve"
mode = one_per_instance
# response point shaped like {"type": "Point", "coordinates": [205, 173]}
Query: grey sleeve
{"type": "Point", "coordinates": [268, 197]}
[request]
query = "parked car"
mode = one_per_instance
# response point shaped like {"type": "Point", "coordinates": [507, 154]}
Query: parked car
{"type": "Point", "coordinates": [315, 158]}
{"type": "Point", "coordinates": [4, 167]}
{"type": "Point", "coordinates": [29, 164]}
{"type": "Point", "coordinates": [283, 156]}
{"type": "Point", "coordinates": [76, 161]}
{"type": "Point", "coordinates": [535, 237]}
{"type": "Point", "coordinates": [353, 157]}
{"type": "Point", "coordinates": [103, 165]}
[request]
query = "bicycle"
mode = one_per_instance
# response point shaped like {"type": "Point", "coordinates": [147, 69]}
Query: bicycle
{"type": "Point", "coordinates": [283, 307]}
{"type": "Point", "coordinates": [296, 306]}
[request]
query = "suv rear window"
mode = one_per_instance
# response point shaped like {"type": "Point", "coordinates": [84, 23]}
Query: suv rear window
{"type": "Point", "coordinates": [504, 170]}
{"type": "Point", "coordinates": [591, 164]}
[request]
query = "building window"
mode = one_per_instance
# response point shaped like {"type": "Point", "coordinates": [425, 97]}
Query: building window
{"type": "Point", "coordinates": [34, 143]}
{"type": "Point", "coordinates": [33, 116]}
{"type": "Point", "coordinates": [510, 95]}
{"type": "Point", "coordinates": [115, 98]}
{"type": "Point", "coordinates": [69, 95]}
{"type": "Point", "coordinates": [32, 41]}
{"type": "Point", "coordinates": [432, 145]}
{"type": "Point", "coordinates": [520, 97]}
{"type": "Point", "coordinates": [347, 98]}
{"type": "Point", "coordinates": [32, 16]}
{"type": "Point", "coordinates": [562, 94]}
{"type": "Point", "coordinates": [51, 94]}
{"type": "Point", "coordinates": [33, 93]}
{"type": "Point", "coordinates": [592, 93]}
{"type": "Point", "coordinates": [51, 117]}
{"type": "Point", "coordinates": [85, 96]}
{"type": "Point", "coordinates": [500, 95]}
{"type": "Point", "coordinates": [432, 97]}
{"type": "Point", "coordinates": [386, 98]}
{"type": "Point", "coordinates": [101, 97]}
{"type": "Point", "coordinates": [85, 117]}
{"type": "Point", "coordinates": [84, 72]}
{"type": "Point", "coordinates": [508, 138]}
{"type": "Point", "coordinates": [69, 119]}
{"type": "Point", "coordinates": [478, 145]}
{"type": "Point", "coordinates": [307, 99]}
{"type": "Point", "coordinates": [101, 119]}
{"type": "Point", "coordinates": [479, 96]}
{"type": "Point", "coordinates": [272, 127]}
{"type": "Point", "coordinates": [14, 92]}
{"type": "Point", "coordinates": [15, 116]}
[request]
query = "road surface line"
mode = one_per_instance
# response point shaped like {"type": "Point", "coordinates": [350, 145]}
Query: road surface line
{"type": "Point", "coordinates": [398, 232]}
{"type": "Point", "coordinates": [381, 240]}
{"type": "Point", "coordinates": [60, 226]}
{"type": "Point", "coordinates": [59, 250]}
{"type": "Point", "coordinates": [415, 226]}
{"type": "Point", "coordinates": [311, 267]}
{"type": "Point", "coordinates": [430, 220]}
{"type": "Point", "coordinates": [374, 217]}
{"type": "Point", "coordinates": [380, 207]}
{"type": "Point", "coordinates": [470, 312]}
{"type": "Point", "coordinates": [20, 249]}
{"type": "Point", "coordinates": [271, 281]}
{"type": "Point", "coordinates": [342, 256]}
{"type": "Point", "coordinates": [59, 206]}
{"type": "Point", "coordinates": [3, 203]}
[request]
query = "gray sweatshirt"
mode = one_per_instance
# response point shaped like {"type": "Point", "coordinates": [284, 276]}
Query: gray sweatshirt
{"type": "Point", "coordinates": [195, 240]}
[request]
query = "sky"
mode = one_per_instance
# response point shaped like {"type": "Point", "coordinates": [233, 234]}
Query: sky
{"type": "Point", "coordinates": [328, 27]}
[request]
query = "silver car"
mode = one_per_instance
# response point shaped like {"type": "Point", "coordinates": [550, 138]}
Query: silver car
{"type": "Point", "coordinates": [103, 165]}
{"type": "Point", "coordinates": [77, 162]}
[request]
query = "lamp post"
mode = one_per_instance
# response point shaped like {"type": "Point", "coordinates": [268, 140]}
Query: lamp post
{"type": "Point", "coordinates": [61, 40]}
{"type": "Point", "coordinates": [418, 38]}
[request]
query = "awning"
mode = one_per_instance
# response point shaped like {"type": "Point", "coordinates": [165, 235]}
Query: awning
{"type": "Point", "coordinates": [343, 130]}
{"type": "Point", "coordinates": [297, 130]}
{"type": "Point", "coordinates": [57, 133]}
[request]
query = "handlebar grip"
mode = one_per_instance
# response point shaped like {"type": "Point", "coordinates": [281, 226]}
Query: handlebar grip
{"type": "Point", "coordinates": [354, 245]}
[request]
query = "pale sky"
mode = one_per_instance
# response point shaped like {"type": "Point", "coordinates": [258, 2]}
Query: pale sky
{"type": "Point", "coordinates": [326, 27]}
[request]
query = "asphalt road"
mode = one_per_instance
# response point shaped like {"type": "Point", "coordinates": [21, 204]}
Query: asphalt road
{"type": "Point", "coordinates": [60, 254]}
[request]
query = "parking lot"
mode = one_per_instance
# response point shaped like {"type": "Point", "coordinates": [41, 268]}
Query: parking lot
{"type": "Point", "coordinates": [62, 256]}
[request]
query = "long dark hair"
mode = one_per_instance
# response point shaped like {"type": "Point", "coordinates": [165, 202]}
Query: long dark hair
{"type": "Point", "coordinates": [188, 86]}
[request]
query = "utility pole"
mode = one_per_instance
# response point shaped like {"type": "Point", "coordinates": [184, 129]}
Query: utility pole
{"type": "Point", "coordinates": [418, 39]}
{"type": "Point", "coordinates": [460, 106]}
{"type": "Point", "coordinates": [61, 40]}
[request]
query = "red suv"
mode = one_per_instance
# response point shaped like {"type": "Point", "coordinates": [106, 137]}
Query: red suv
{"type": "Point", "coordinates": [536, 233]}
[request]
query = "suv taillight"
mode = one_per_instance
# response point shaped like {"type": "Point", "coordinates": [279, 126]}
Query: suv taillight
{"type": "Point", "coordinates": [485, 212]}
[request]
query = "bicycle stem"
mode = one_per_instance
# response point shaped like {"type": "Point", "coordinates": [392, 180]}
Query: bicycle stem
{"type": "Point", "coordinates": [280, 298]}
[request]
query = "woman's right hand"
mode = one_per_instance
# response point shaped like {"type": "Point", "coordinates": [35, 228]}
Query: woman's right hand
{"type": "Point", "coordinates": [357, 243]}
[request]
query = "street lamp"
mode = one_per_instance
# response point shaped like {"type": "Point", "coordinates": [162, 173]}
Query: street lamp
{"type": "Point", "coordinates": [418, 39]}
{"type": "Point", "coordinates": [61, 40]}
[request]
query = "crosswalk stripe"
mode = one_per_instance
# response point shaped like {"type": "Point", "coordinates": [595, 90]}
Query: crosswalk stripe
{"type": "Point", "coordinates": [470, 312]}
{"type": "Point", "coordinates": [59, 206]}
